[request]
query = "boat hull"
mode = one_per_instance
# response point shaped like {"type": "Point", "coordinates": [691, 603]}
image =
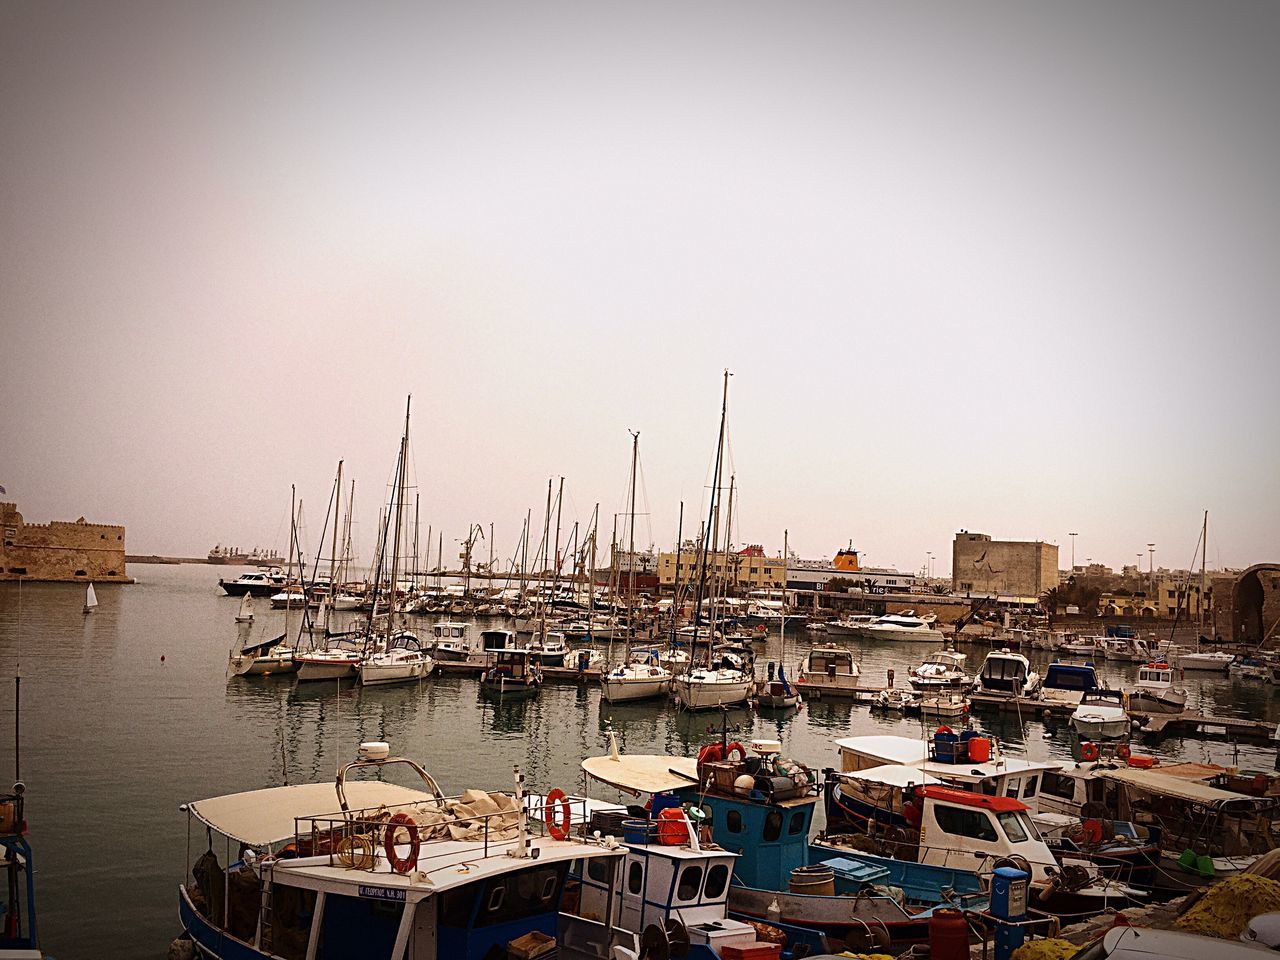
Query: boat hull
{"type": "Point", "coordinates": [624, 689]}
{"type": "Point", "coordinates": [836, 916]}
{"type": "Point", "coordinates": [263, 666]}
{"type": "Point", "coordinates": [707, 696]}
{"type": "Point", "coordinates": [372, 674]}
{"type": "Point", "coordinates": [234, 589]}
{"type": "Point", "coordinates": [312, 670]}
{"type": "Point", "coordinates": [1142, 702]}
{"type": "Point", "coordinates": [1116, 728]}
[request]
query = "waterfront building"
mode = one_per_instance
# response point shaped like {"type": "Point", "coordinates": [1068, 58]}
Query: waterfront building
{"type": "Point", "coordinates": [60, 550]}
{"type": "Point", "coordinates": [981, 566]}
{"type": "Point", "coordinates": [746, 569]}
{"type": "Point", "coordinates": [814, 575]}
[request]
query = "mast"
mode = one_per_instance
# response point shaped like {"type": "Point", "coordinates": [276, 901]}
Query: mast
{"type": "Point", "coordinates": [417, 530]}
{"type": "Point", "coordinates": [399, 508]}
{"type": "Point", "coordinates": [333, 550]}
{"type": "Point", "coordinates": [782, 626]}
{"type": "Point", "coordinates": [711, 512]}
{"type": "Point", "coordinates": [631, 547]}
{"type": "Point", "coordinates": [675, 584]}
{"type": "Point", "coordinates": [1204, 549]}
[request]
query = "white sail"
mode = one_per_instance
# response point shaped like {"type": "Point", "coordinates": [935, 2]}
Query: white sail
{"type": "Point", "coordinates": [90, 599]}
{"type": "Point", "coordinates": [245, 614]}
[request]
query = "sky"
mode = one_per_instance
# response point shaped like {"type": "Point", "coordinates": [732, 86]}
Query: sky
{"type": "Point", "coordinates": [995, 266]}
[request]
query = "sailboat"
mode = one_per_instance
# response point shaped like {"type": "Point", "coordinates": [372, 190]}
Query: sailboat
{"type": "Point", "coordinates": [273, 657]}
{"type": "Point", "coordinates": [724, 680]}
{"type": "Point", "coordinates": [777, 693]}
{"type": "Point", "coordinates": [245, 613]}
{"type": "Point", "coordinates": [642, 677]}
{"type": "Point", "coordinates": [397, 656]}
{"type": "Point", "coordinates": [90, 600]}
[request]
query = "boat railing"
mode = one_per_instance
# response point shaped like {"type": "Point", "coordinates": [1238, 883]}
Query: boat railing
{"type": "Point", "coordinates": [363, 839]}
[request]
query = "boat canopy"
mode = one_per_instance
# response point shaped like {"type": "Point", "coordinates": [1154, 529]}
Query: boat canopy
{"type": "Point", "coordinates": [892, 775]}
{"type": "Point", "coordinates": [260, 818]}
{"type": "Point", "coordinates": [638, 773]}
{"type": "Point", "coordinates": [887, 748]}
{"type": "Point", "coordinates": [1153, 781]}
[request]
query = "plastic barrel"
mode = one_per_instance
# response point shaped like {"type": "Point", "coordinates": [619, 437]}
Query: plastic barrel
{"type": "Point", "coordinates": [818, 880]}
{"type": "Point", "coordinates": [979, 749]}
{"type": "Point", "coordinates": [948, 935]}
{"type": "Point", "coordinates": [635, 831]}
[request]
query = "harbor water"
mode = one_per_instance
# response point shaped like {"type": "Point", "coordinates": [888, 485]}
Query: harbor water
{"type": "Point", "coordinates": [128, 713]}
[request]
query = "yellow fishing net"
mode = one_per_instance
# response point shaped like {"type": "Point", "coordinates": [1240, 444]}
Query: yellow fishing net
{"type": "Point", "coordinates": [1045, 950]}
{"type": "Point", "coordinates": [1226, 909]}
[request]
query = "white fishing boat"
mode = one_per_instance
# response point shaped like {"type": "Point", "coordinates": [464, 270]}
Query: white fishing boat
{"type": "Point", "coordinates": [1156, 691]}
{"type": "Point", "coordinates": [1101, 716]}
{"type": "Point", "coordinates": [451, 641]}
{"type": "Point", "coordinates": [549, 648]}
{"type": "Point", "coordinates": [401, 660]}
{"type": "Point", "coordinates": [944, 706]}
{"type": "Point", "coordinates": [1083, 646]}
{"type": "Point", "coordinates": [245, 613]}
{"type": "Point", "coordinates": [1008, 674]}
{"type": "Point", "coordinates": [901, 626]}
{"type": "Point", "coordinates": [90, 600]}
{"type": "Point", "coordinates": [940, 671]}
{"type": "Point", "coordinates": [829, 670]}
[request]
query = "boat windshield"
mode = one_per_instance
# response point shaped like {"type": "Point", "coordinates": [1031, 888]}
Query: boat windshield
{"type": "Point", "coordinates": [1015, 825]}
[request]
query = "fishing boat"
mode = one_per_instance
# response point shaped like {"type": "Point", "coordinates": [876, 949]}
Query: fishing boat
{"type": "Point", "coordinates": [400, 659]}
{"type": "Point", "coordinates": [1066, 682]}
{"type": "Point", "coordinates": [1100, 715]}
{"type": "Point", "coordinates": [245, 613]}
{"type": "Point", "coordinates": [895, 700]}
{"type": "Point", "coordinates": [969, 834]}
{"type": "Point", "coordinates": [376, 870]}
{"type": "Point", "coordinates": [1155, 691]}
{"type": "Point", "coordinates": [899, 627]}
{"type": "Point", "coordinates": [1250, 668]}
{"type": "Point", "coordinates": [829, 670]}
{"type": "Point", "coordinates": [940, 671]}
{"type": "Point", "coordinates": [491, 641]}
{"type": "Point", "coordinates": [451, 641]}
{"type": "Point", "coordinates": [514, 675]}
{"type": "Point", "coordinates": [549, 648]}
{"type": "Point", "coordinates": [1008, 675]}
{"type": "Point", "coordinates": [257, 583]}
{"type": "Point", "coordinates": [1083, 646]}
{"type": "Point", "coordinates": [20, 935]}
{"type": "Point", "coordinates": [942, 706]}
{"type": "Point", "coordinates": [90, 600]}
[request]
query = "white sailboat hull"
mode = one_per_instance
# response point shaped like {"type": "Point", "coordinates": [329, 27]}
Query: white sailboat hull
{"type": "Point", "coordinates": [375, 671]}
{"type": "Point", "coordinates": [264, 666]}
{"type": "Point", "coordinates": [632, 686]}
{"type": "Point", "coordinates": [706, 690]}
{"type": "Point", "coordinates": [327, 668]}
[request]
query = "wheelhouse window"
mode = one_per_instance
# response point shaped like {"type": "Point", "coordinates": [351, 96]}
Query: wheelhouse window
{"type": "Point", "coordinates": [635, 877]}
{"type": "Point", "coordinates": [598, 870]}
{"type": "Point", "coordinates": [963, 822]}
{"type": "Point", "coordinates": [690, 883]}
{"type": "Point", "coordinates": [1013, 826]}
{"type": "Point", "coordinates": [1029, 788]}
{"type": "Point", "coordinates": [797, 824]}
{"type": "Point", "coordinates": [1056, 785]}
{"type": "Point", "coordinates": [773, 826]}
{"type": "Point", "coordinates": [733, 821]}
{"type": "Point", "coordinates": [717, 880]}
{"type": "Point", "coordinates": [516, 896]}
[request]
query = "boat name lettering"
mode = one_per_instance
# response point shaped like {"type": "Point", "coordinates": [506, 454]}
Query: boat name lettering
{"type": "Point", "coordinates": [380, 893]}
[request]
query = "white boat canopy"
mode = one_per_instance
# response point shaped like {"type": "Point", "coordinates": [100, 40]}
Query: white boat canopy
{"type": "Point", "coordinates": [1153, 781]}
{"type": "Point", "coordinates": [639, 773]}
{"type": "Point", "coordinates": [260, 818]}
{"type": "Point", "coordinates": [892, 775]}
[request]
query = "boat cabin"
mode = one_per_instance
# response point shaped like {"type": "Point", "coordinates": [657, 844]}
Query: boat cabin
{"type": "Point", "coordinates": [1008, 674]}
{"type": "Point", "coordinates": [513, 665]}
{"type": "Point", "coordinates": [1067, 681]}
{"type": "Point", "coordinates": [1156, 675]}
{"type": "Point", "coordinates": [492, 640]}
{"type": "Point", "coordinates": [18, 934]}
{"type": "Point", "coordinates": [831, 669]}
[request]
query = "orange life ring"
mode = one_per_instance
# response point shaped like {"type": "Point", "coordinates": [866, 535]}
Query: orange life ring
{"type": "Point", "coordinates": [1123, 751]}
{"type": "Point", "coordinates": [558, 829]}
{"type": "Point", "coordinates": [406, 865]}
{"type": "Point", "coordinates": [1088, 751]}
{"type": "Point", "coordinates": [742, 751]}
{"type": "Point", "coordinates": [944, 730]}
{"type": "Point", "coordinates": [1092, 830]}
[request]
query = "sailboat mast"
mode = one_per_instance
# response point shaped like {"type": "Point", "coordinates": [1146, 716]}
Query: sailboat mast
{"type": "Point", "coordinates": [399, 502]}
{"type": "Point", "coordinates": [782, 626]}
{"type": "Point", "coordinates": [1204, 549]}
{"type": "Point", "coordinates": [675, 584]}
{"type": "Point", "coordinates": [711, 512]}
{"type": "Point", "coordinates": [333, 549]}
{"type": "Point", "coordinates": [631, 545]}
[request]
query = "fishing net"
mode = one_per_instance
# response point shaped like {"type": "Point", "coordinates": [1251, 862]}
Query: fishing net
{"type": "Point", "coordinates": [1226, 909]}
{"type": "Point", "coordinates": [1046, 950]}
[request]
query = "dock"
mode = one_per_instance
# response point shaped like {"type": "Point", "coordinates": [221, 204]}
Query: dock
{"type": "Point", "coordinates": [1197, 724]}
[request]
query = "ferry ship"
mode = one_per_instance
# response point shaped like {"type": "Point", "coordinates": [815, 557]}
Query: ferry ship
{"type": "Point", "coordinates": [257, 557]}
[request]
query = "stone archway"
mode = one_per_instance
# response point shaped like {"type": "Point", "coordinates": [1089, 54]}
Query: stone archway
{"type": "Point", "coordinates": [1255, 603]}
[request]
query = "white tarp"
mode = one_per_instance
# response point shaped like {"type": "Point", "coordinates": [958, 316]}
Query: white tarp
{"type": "Point", "coordinates": [262, 817]}
{"type": "Point", "coordinates": [643, 773]}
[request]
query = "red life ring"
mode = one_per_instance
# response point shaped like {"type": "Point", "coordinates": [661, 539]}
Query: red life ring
{"type": "Point", "coordinates": [944, 730]}
{"type": "Point", "coordinates": [406, 865]}
{"type": "Point", "coordinates": [1123, 751]}
{"type": "Point", "coordinates": [559, 830]}
{"type": "Point", "coordinates": [1088, 751]}
{"type": "Point", "coordinates": [742, 751]}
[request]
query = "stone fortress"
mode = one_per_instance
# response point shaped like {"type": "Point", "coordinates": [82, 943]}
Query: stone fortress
{"type": "Point", "coordinates": [59, 550]}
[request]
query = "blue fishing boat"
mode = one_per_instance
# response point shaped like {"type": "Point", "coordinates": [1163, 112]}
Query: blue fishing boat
{"type": "Point", "coordinates": [19, 935]}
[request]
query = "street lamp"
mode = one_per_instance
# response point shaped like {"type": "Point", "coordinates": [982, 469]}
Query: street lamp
{"type": "Point", "coordinates": [1151, 568]}
{"type": "Point", "coordinates": [929, 565]}
{"type": "Point", "coordinates": [1073, 550]}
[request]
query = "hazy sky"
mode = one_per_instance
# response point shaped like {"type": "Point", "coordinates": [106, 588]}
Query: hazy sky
{"type": "Point", "coordinates": [1011, 267]}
